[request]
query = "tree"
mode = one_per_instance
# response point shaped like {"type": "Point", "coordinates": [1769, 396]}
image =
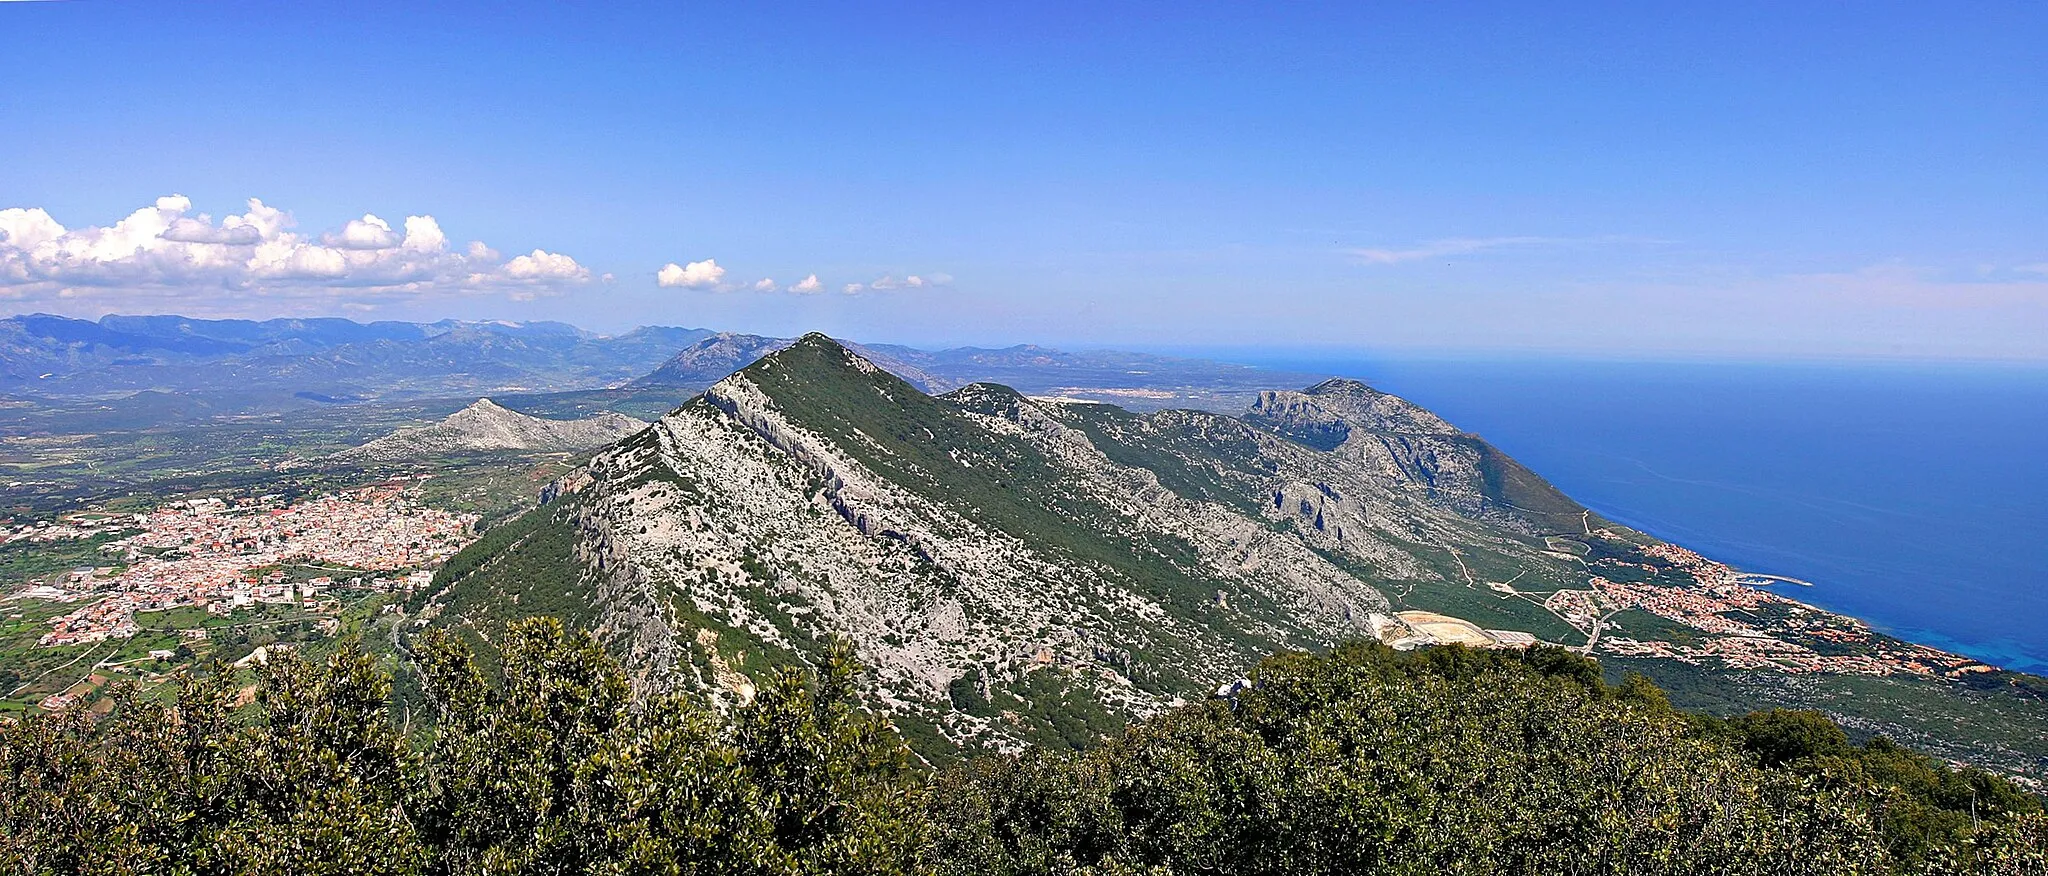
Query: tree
{"type": "Point", "coordinates": [1782, 736]}
{"type": "Point", "coordinates": [1368, 760]}
{"type": "Point", "coordinates": [553, 769]}
{"type": "Point", "coordinates": [537, 758]}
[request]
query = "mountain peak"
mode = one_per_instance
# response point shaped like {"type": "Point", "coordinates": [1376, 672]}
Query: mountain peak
{"type": "Point", "coordinates": [1355, 405]}
{"type": "Point", "coordinates": [821, 343]}
{"type": "Point", "coordinates": [1342, 386]}
{"type": "Point", "coordinates": [814, 354]}
{"type": "Point", "coordinates": [487, 426]}
{"type": "Point", "coordinates": [708, 359]}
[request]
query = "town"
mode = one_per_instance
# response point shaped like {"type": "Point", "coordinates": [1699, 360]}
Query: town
{"type": "Point", "coordinates": [224, 554]}
{"type": "Point", "coordinates": [1747, 627]}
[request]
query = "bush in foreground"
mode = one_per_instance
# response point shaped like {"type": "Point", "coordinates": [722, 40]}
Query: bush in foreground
{"type": "Point", "coordinates": [1361, 761]}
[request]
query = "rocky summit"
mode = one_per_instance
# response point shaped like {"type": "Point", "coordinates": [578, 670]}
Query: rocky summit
{"type": "Point", "coordinates": [1010, 568]}
{"type": "Point", "coordinates": [487, 426]}
{"type": "Point", "coordinates": [712, 358]}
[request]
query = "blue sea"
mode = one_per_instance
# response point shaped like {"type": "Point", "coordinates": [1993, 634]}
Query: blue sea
{"type": "Point", "coordinates": [1912, 496]}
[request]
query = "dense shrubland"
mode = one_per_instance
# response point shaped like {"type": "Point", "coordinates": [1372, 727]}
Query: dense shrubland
{"type": "Point", "coordinates": [1364, 760]}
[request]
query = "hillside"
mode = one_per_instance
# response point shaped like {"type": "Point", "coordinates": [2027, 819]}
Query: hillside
{"type": "Point", "coordinates": [487, 426]}
{"type": "Point", "coordinates": [1018, 569]}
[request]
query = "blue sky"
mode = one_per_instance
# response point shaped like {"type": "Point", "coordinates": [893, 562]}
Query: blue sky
{"type": "Point", "coordinates": [1747, 180]}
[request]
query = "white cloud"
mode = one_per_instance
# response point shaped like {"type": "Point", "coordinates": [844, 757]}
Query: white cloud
{"type": "Point", "coordinates": [542, 266]}
{"type": "Point", "coordinates": [187, 229]}
{"type": "Point", "coordinates": [423, 234]}
{"type": "Point", "coordinates": [1447, 247]}
{"type": "Point", "coordinates": [708, 274]}
{"type": "Point", "coordinates": [22, 229]}
{"type": "Point", "coordinates": [695, 275]}
{"type": "Point", "coordinates": [1898, 284]}
{"type": "Point", "coordinates": [912, 281]}
{"type": "Point", "coordinates": [167, 250]}
{"type": "Point", "coordinates": [368, 232]}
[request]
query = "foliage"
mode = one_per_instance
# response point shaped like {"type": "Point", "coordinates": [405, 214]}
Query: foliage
{"type": "Point", "coordinates": [553, 769]}
{"type": "Point", "coordinates": [1365, 760]}
{"type": "Point", "coordinates": [524, 568]}
{"type": "Point", "coordinates": [1445, 760]}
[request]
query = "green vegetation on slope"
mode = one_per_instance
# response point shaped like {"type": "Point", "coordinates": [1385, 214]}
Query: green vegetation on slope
{"type": "Point", "coordinates": [1512, 484]}
{"type": "Point", "coordinates": [932, 448]}
{"type": "Point", "coordinates": [521, 569]}
{"type": "Point", "coordinates": [1195, 454]}
{"type": "Point", "coordinates": [1362, 761]}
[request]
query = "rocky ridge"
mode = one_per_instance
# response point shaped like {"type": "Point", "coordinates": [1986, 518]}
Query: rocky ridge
{"type": "Point", "coordinates": [989, 553]}
{"type": "Point", "coordinates": [487, 426]}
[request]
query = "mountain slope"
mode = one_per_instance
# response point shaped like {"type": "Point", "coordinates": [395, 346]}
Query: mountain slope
{"type": "Point", "coordinates": [488, 426]}
{"type": "Point", "coordinates": [1017, 569]}
{"type": "Point", "coordinates": [988, 552]}
{"type": "Point", "coordinates": [705, 361]}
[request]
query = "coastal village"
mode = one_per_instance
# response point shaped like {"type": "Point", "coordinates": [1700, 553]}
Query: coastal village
{"type": "Point", "coordinates": [224, 554]}
{"type": "Point", "coordinates": [1749, 627]}
{"type": "Point", "coordinates": [1740, 625]}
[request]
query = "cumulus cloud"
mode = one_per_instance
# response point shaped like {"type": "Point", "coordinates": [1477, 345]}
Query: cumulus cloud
{"type": "Point", "coordinates": [368, 232]}
{"type": "Point", "coordinates": [423, 234]}
{"type": "Point", "coordinates": [24, 228]}
{"type": "Point", "coordinates": [708, 274]}
{"type": "Point", "coordinates": [187, 229]}
{"type": "Point", "coordinates": [543, 266]}
{"type": "Point", "coordinates": [695, 275]}
{"type": "Point", "coordinates": [167, 249]}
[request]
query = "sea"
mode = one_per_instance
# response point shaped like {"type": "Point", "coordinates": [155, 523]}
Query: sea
{"type": "Point", "coordinates": [1911, 495]}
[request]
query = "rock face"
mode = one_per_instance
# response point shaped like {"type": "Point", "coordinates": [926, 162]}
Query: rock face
{"type": "Point", "coordinates": [1008, 566]}
{"type": "Point", "coordinates": [488, 426]}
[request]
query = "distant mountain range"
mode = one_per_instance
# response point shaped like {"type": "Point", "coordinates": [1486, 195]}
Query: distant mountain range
{"type": "Point", "coordinates": [319, 359]}
{"type": "Point", "coordinates": [223, 367]}
{"type": "Point", "coordinates": [1137, 380]}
